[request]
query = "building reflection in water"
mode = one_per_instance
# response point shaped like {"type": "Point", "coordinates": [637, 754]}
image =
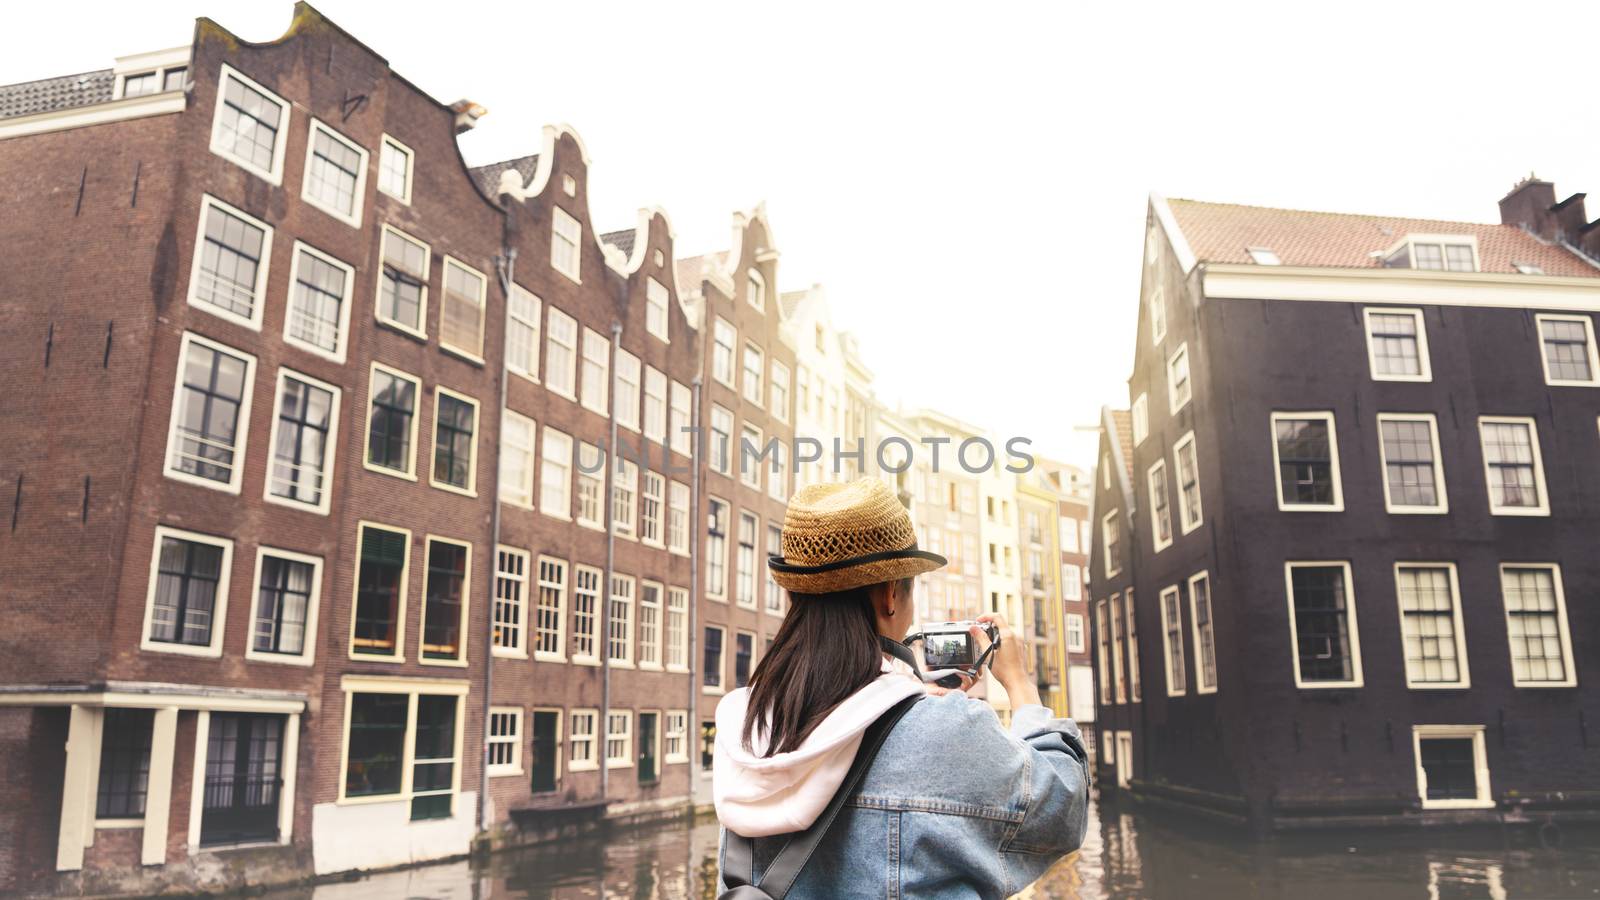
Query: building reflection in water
{"type": "Point", "coordinates": [1127, 853]}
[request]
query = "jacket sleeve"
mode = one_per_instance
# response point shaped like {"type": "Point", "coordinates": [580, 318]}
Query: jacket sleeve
{"type": "Point", "coordinates": [1055, 801]}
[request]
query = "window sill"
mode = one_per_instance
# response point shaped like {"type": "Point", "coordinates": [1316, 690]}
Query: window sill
{"type": "Point", "coordinates": [444, 486]}
{"type": "Point", "coordinates": [334, 356]}
{"type": "Point", "coordinates": [462, 355]}
{"type": "Point", "coordinates": [585, 661]}
{"type": "Point", "coordinates": [549, 657]}
{"type": "Point", "coordinates": [506, 653]}
{"type": "Point", "coordinates": [392, 473]}
{"type": "Point", "coordinates": [531, 379]}
{"type": "Point", "coordinates": [391, 658]}
{"type": "Point", "coordinates": [278, 659]}
{"type": "Point", "coordinates": [226, 487]}
{"type": "Point", "coordinates": [507, 773]}
{"type": "Point", "coordinates": [401, 328]}
{"type": "Point", "coordinates": [621, 664]}
{"type": "Point", "coordinates": [445, 663]}
{"type": "Point", "coordinates": [180, 649]}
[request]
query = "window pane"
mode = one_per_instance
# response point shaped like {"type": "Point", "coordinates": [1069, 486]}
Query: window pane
{"type": "Point", "coordinates": [1566, 349]}
{"type": "Point", "coordinates": [1322, 624]}
{"type": "Point", "coordinates": [1449, 766]}
{"type": "Point", "coordinates": [1428, 626]}
{"type": "Point", "coordinates": [230, 260]}
{"type": "Point", "coordinates": [1534, 625]}
{"type": "Point", "coordinates": [1409, 462]}
{"type": "Point", "coordinates": [433, 757]}
{"type": "Point", "coordinates": [124, 763]}
{"type": "Point", "coordinates": [187, 575]}
{"type": "Point", "coordinates": [1508, 451]}
{"type": "Point", "coordinates": [1394, 344]}
{"type": "Point", "coordinates": [282, 605]}
{"type": "Point", "coordinates": [248, 126]}
{"type": "Point", "coordinates": [318, 294]}
{"type": "Point", "coordinates": [405, 269]}
{"type": "Point", "coordinates": [300, 445]}
{"type": "Point", "coordinates": [394, 402]}
{"type": "Point", "coordinates": [332, 172]}
{"type": "Point", "coordinates": [452, 444]}
{"type": "Point", "coordinates": [377, 744]}
{"type": "Point", "coordinates": [1305, 468]}
{"type": "Point", "coordinates": [441, 627]}
{"type": "Point", "coordinates": [378, 587]}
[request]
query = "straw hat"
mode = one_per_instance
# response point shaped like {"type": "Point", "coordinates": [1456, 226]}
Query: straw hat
{"type": "Point", "coordinates": [842, 536]}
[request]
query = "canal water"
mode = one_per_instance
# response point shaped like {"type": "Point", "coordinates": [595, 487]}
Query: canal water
{"type": "Point", "coordinates": [1126, 854]}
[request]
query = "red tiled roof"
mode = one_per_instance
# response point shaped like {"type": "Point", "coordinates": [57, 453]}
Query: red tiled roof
{"type": "Point", "coordinates": [1222, 232]}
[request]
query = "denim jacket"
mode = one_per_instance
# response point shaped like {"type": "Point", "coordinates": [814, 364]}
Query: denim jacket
{"type": "Point", "coordinates": [954, 806]}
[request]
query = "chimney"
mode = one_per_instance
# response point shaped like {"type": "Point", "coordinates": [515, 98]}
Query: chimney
{"type": "Point", "coordinates": [467, 115]}
{"type": "Point", "coordinates": [1570, 218]}
{"type": "Point", "coordinates": [1529, 205]}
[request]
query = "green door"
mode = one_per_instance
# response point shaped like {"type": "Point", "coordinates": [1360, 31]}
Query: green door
{"type": "Point", "coordinates": [648, 772]}
{"type": "Point", "coordinates": [546, 745]}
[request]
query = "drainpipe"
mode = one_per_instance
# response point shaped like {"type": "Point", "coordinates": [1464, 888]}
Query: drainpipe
{"type": "Point", "coordinates": [692, 714]}
{"type": "Point", "coordinates": [604, 637]}
{"type": "Point", "coordinates": [506, 267]}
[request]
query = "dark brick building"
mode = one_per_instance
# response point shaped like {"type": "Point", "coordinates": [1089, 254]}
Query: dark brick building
{"type": "Point", "coordinates": [1345, 534]}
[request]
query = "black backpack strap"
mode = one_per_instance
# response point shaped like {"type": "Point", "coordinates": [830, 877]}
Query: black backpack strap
{"type": "Point", "coordinates": [739, 857]}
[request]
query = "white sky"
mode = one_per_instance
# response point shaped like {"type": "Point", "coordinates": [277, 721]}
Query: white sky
{"type": "Point", "coordinates": [969, 181]}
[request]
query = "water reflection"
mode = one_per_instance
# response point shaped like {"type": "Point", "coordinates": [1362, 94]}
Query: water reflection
{"type": "Point", "coordinates": [1127, 854]}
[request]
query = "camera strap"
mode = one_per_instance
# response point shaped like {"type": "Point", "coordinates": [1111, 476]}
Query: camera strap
{"type": "Point", "coordinates": [739, 867]}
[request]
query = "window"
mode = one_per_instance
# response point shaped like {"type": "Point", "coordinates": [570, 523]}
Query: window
{"type": "Point", "coordinates": [774, 548]}
{"type": "Point", "coordinates": [336, 174]}
{"type": "Point", "coordinates": [283, 612]}
{"type": "Point", "coordinates": [1205, 637]}
{"type": "Point", "coordinates": [1567, 344]}
{"type": "Point", "coordinates": [1306, 451]}
{"type": "Point", "coordinates": [596, 360]}
{"type": "Point", "coordinates": [745, 594]}
{"type": "Point", "coordinates": [802, 378]}
{"type": "Point", "coordinates": [583, 737]}
{"type": "Point", "coordinates": [248, 127]}
{"type": "Point", "coordinates": [433, 761]}
{"type": "Point", "coordinates": [1075, 633]}
{"type": "Point", "coordinates": [318, 317]}
{"type": "Point", "coordinates": [504, 741]}
{"type": "Point", "coordinates": [1435, 252]}
{"type": "Point", "coordinates": [564, 251]}
{"type": "Point", "coordinates": [1188, 483]}
{"type": "Point", "coordinates": [551, 617]}
{"type": "Point", "coordinates": [712, 678]}
{"type": "Point", "coordinates": [1110, 536]}
{"type": "Point", "coordinates": [1160, 507]}
{"type": "Point", "coordinates": [1513, 467]}
{"type": "Point", "coordinates": [174, 79]}
{"type": "Point", "coordinates": [749, 459]}
{"type": "Point", "coordinates": [677, 630]}
{"type": "Point", "coordinates": [1178, 390]}
{"type": "Point", "coordinates": [744, 648]}
{"type": "Point", "coordinates": [1397, 345]}
{"type": "Point", "coordinates": [461, 312]}
{"type": "Point", "coordinates": [651, 501]}
{"type": "Point", "coordinates": [1263, 256]}
{"type": "Point", "coordinates": [656, 300]}
{"type": "Point", "coordinates": [555, 474]}
{"type": "Point", "coordinates": [628, 386]}
{"type": "Point", "coordinates": [679, 427]}
{"type": "Point", "coordinates": [1117, 681]}
{"type": "Point", "coordinates": [780, 391]}
{"type": "Point", "coordinates": [655, 404]}
{"type": "Point", "coordinates": [391, 732]}
{"type": "Point", "coordinates": [141, 84]}
{"type": "Point", "coordinates": [1172, 643]}
{"type": "Point", "coordinates": [649, 625]}
{"type": "Point", "coordinates": [1536, 624]}
{"type": "Point", "coordinates": [1430, 625]}
{"type": "Point", "coordinates": [755, 290]}
{"type": "Point", "coordinates": [1527, 268]}
{"type": "Point", "coordinates": [124, 763]}
{"type": "Point", "coordinates": [752, 373]}
{"type": "Point", "coordinates": [522, 333]}
{"type": "Point", "coordinates": [1452, 769]}
{"type": "Point", "coordinates": [619, 739]}
{"type": "Point", "coordinates": [444, 602]}
{"type": "Point", "coordinates": [1413, 474]}
{"type": "Point", "coordinates": [675, 737]}
{"type": "Point", "coordinates": [210, 414]}
{"type": "Point", "coordinates": [1134, 691]}
{"type": "Point", "coordinates": [1071, 582]}
{"type": "Point", "coordinates": [619, 631]}
{"type": "Point", "coordinates": [516, 459]}
{"type": "Point", "coordinates": [232, 251]}
{"type": "Point", "coordinates": [188, 595]}
{"type": "Point", "coordinates": [1141, 418]}
{"type": "Point", "coordinates": [1322, 625]}
{"type": "Point", "coordinates": [302, 442]}
{"type": "Point", "coordinates": [455, 442]}
{"type": "Point", "coordinates": [403, 286]}
{"type": "Point", "coordinates": [591, 481]}
{"type": "Point", "coordinates": [377, 626]}
{"type": "Point", "coordinates": [392, 421]}
{"type": "Point", "coordinates": [1102, 630]}
{"type": "Point", "coordinates": [624, 494]}
{"type": "Point", "coordinates": [721, 440]}
{"type": "Point", "coordinates": [375, 743]}
{"type": "Point", "coordinates": [510, 602]}
{"type": "Point", "coordinates": [561, 355]}
{"type": "Point", "coordinates": [1158, 316]}
{"type": "Point", "coordinates": [723, 338]}
{"type": "Point", "coordinates": [394, 169]}
{"type": "Point", "coordinates": [585, 606]}
{"type": "Point", "coordinates": [717, 549]}
{"type": "Point", "coordinates": [678, 518]}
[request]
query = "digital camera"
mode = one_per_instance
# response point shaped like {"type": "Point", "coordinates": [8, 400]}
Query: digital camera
{"type": "Point", "coordinates": [949, 645]}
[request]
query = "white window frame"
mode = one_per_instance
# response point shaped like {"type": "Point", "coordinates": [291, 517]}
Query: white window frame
{"type": "Point", "coordinates": [421, 329]}
{"type": "Point", "coordinates": [1589, 345]}
{"type": "Point", "coordinates": [601, 593]}
{"type": "Point", "coordinates": [471, 490]}
{"type": "Point", "coordinates": [629, 600]}
{"type": "Point", "coordinates": [274, 175]}
{"type": "Point", "coordinates": [471, 354]}
{"type": "Point", "coordinates": [1184, 513]}
{"type": "Point", "coordinates": [1200, 686]}
{"type": "Point", "coordinates": [1114, 611]}
{"type": "Point", "coordinates": [590, 737]}
{"type": "Point", "coordinates": [597, 522]}
{"type": "Point", "coordinates": [679, 418]}
{"type": "Point", "coordinates": [749, 475]}
{"type": "Point", "coordinates": [1173, 404]}
{"type": "Point", "coordinates": [1333, 459]}
{"type": "Point", "coordinates": [490, 739]}
{"type": "Point", "coordinates": [537, 594]}
{"type": "Point", "coordinates": [410, 473]}
{"type": "Point", "coordinates": [1155, 525]}
{"type": "Point", "coordinates": [562, 222]}
{"type": "Point", "coordinates": [241, 438]}
{"type": "Point", "coordinates": [528, 583]}
{"type": "Point", "coordinates": [654, 428]}
{"type": "Point", "coordinates": [757, 298]}
{"type": "Point", "coordinates": [677, 489]}
{"type": "Point", "coordinates": [754, 392]}
{"type": "Point", "coordinates": [342, 346]}
{"type": "Point", "coordinates": [330, 451]}
{"type": "Point", "coordinates": [718, 327]}
{"type": "Point", "coordinates": [1480, 759]}
{"type": "Point", "coordinates": [1357, 680]}
{"type": "Point", "coordinates": [308, 654]}
{"type": "Point", "coordinates": [625, 737]}
{"type": "Point", "coordinates": [681, 716]}
{"type": "Point", "coordinates": [1543, 509]}
{"type": "Point", "coordinates": [780, 410]}
{"type": "Point", "coordinates": [724, 466]}
{"type": "Point", "coordinates": [717, 592]}
{"type": "Point", "coordinates": [528, 368]}
{"type": "Point", "coordinates": [1141, 418]}
{"type": "Point", "coordinates": [750, 601]}
{"type": "Point", "coordinates": [721, 687]}
{"type": "Point", "coordinates": [413, 688]}
{"type": "Point", "coordinates": [1102, 655]}
{"type": "Point", "coordinates": [520, 495]}
{"type": "Point", "coordinates": [1158, 316]}
{"type": "Point", "coordinates": [676, 598]}
{"type": "Point", "coordinates": [658, 306]}
{"type": "Point", "coordinates": [1166, 641]}
{"type": "Point", "coordinates": [401, 604]}
{"type": "Point", "coordinates": [1561, 622]}
{"type": "Point", "coordinates": [629, 393]}
{"type": "Point", "coordinates": [1465, 680]}
{"type": "Point", "coordinates": [358, 198]}
{"type": "Point", "coordinates": [460, 662]}
{"type": "Point", "coordinates": [602, 382]}
{"type": "Point", "coordinates": [562, 383]}
{"type": "Point", "coordinates": [625, 478]}
{"type": "Point", "coordinates": [660, 606]}
{"type": "Point", "coordinates": [1423, 361]}
{"type": "Point", "coordinates": [1106, 522]}
{"type": "Point", "coordinates": [1389, 505]}
{"type": "Point", "coordinates": [259, 291]}
{"type": "Point", "coordinates": [1075, 646]}
{"type": "Point", "coordinates": [647, 478]}
{"type": "Point", "coordinates": [219, 609]}
{"type": "Point", "coordinates": [390, 145]}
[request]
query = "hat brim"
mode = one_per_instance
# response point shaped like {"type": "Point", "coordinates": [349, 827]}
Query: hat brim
{"type": "Point", "coordinates": [853, 573]}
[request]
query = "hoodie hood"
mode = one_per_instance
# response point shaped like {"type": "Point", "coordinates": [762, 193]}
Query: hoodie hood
{"type": "Point", "coordinates": [757, 796]}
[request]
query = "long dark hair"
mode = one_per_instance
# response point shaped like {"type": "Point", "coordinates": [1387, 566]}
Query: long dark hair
{"type": "Point", "coordinates": [826, 649]}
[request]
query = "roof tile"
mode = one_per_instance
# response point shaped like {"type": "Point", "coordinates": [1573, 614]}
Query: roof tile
{"type": "Point", "coordinates": [52, 94]}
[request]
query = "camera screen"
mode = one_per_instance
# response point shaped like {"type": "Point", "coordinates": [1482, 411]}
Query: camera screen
{"type": "Point", "coordinates": [946, 651]}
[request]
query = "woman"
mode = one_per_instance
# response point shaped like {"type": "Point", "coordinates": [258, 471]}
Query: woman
{"type": "Point", "coordinates": [954, 805]}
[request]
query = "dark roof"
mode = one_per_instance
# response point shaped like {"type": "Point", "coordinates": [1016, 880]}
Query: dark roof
{"type": "Point", "coordinates": [51, 94]}
{"type": "Point", "coordinates": [622, 240]}
{"type": "Point", "coordinates": [488, 177]}
{"type": "Point", "coordinates": [1224, 232]}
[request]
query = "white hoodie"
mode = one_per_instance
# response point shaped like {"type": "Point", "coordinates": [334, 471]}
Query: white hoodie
{"type": "Point", "coordinates": [758, 796]}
